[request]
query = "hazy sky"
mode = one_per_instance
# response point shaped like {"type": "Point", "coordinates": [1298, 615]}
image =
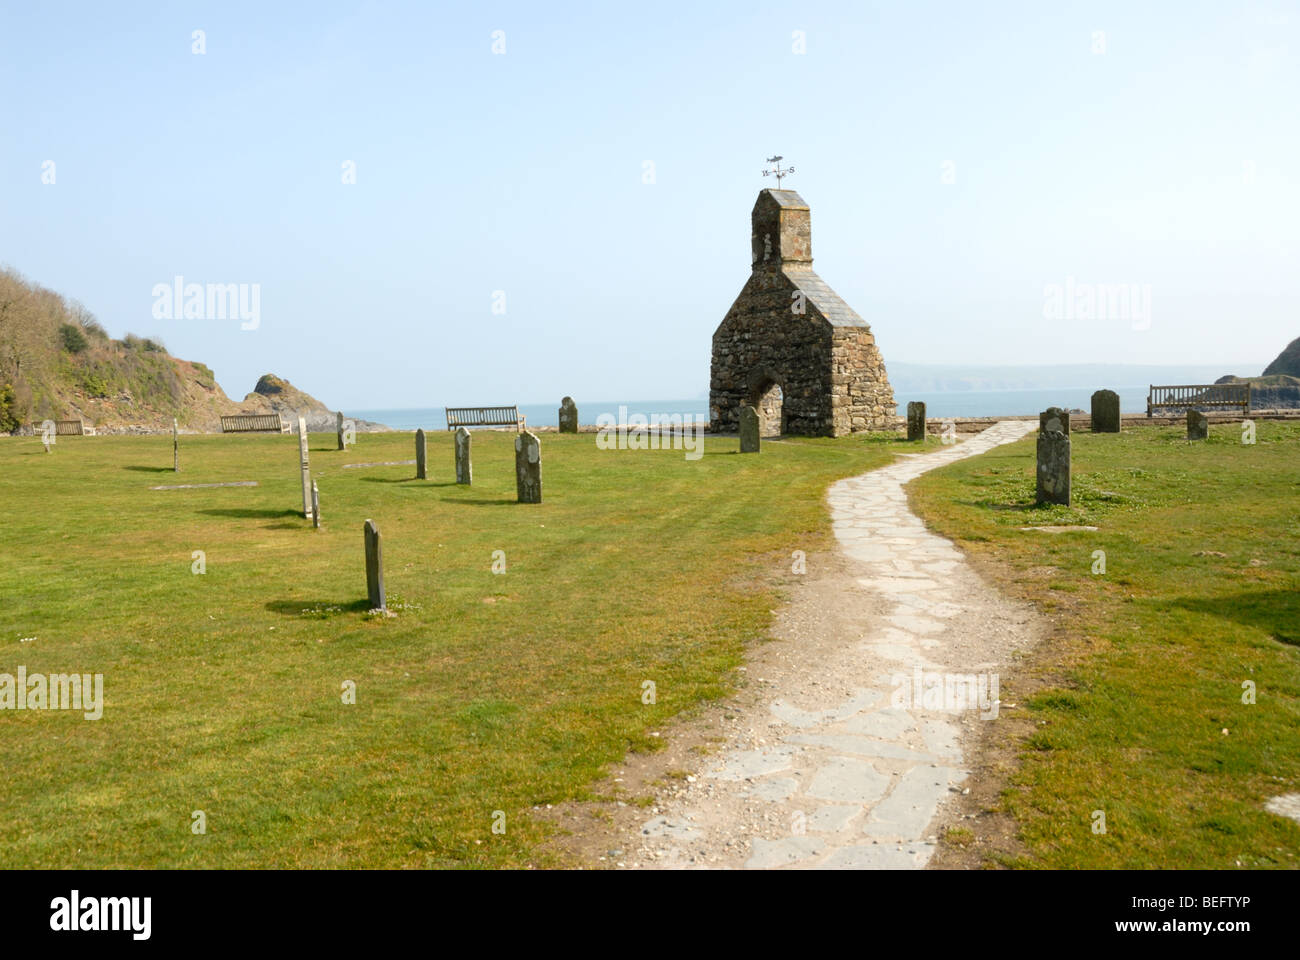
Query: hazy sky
{"type": "Point", "coordinates": [1152, 144]}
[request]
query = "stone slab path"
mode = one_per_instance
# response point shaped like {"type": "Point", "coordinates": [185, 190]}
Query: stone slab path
{"type": "Point", "coordinates": [834, 776]}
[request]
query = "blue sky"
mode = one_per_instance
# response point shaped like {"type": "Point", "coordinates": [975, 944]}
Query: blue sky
{"type": "Point", "coordinates": [1168, 161]}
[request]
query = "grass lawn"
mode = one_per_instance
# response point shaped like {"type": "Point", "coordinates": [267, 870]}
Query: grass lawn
{"type": "Point", "coordinates": [1135, 704]}
{"type": "Point", "coordinates": [224, 691]}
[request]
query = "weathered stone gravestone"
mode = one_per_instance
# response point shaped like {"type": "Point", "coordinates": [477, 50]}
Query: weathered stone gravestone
{"type": "Point", "coordinates": [305, 467]}
{"type": "Point", "coordinates": [1053, 457]}
{"type": "Point", "coordinates": [1105, 412]}
{"type": "Point", "coordinates": [421, 457]}
{"type": "Point", "coordinates": [1198, 425]}
{"type": "Point", "coordinates": [339, 427]}
{"type": "Point", "coordinates": [464, 468]}
{"type": "Point", "coordinates": [374, 567]}
{"type": "Point", "coordinates": [315, 506]}
{"type": "Point", "coordinates": [915, 420]}
{"type": "Point", "coordinates": [748, 429]}
{"type": "Point", "coordinates": [568, 416]}
{"type": "Point", "coordinates": [528, 467]}
{"type": "Point", "coordinates": [176, 447]}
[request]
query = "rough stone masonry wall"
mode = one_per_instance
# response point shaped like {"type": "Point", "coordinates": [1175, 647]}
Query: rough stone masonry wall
{"type": "Point", "coordinates": [861, 397]}
{"type": "Point", "coordinates": [761, 340]}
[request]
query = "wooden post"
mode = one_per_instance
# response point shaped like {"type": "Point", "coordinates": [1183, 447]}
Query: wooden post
{"type": "Point", "coordinates": [420, 457]}
{"type": "Point", "coordinates": [176, 447]}
{"type": "Point", "coordinates": [315, 506]}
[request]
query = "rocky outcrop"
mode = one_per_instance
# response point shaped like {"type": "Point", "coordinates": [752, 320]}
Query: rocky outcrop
{"type": "Point", "coordinates": [274, 394]}
{"type": "Point", "coordinates": [1270, 393]}
{"type": "Point", "coordinates": [1287, 362]}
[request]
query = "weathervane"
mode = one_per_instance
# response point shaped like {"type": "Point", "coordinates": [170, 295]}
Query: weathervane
{"type": "Point", "coordinates": [777, 171]}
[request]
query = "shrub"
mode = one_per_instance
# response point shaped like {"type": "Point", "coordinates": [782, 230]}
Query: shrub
{"type": "Point", "coordinates": [95, 386]}
{"type": "Point", "coordinates": [8, 416]}
{"type": "Point", "coordinates": [74, 341]}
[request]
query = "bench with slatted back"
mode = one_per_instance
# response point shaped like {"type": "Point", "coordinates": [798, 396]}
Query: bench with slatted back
{"type": "Point", "coordinates": [254, 423]}
{"type": "Point", "coordinates": [65, 428]}
{"type": "Point", "coordinates": [1184, 396]}
{"type": "Point", "coordinates": [484, 417]}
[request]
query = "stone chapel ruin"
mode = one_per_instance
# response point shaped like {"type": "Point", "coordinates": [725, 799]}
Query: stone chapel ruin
{"type": "Point", "coordinates": [790, 346]}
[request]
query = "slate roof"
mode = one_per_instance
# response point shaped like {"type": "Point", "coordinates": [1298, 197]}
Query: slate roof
{"type": "Point", "coordinates": [788, 198]}
{"type": "Point", "coordinates": [828, 303]}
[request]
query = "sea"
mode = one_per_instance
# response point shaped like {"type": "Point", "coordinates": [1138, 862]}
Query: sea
{"type": "Point", "coordinates": [953, 403]}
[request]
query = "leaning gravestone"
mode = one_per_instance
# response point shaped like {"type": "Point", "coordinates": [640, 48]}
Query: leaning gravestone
{"type": "Point", "coordinates": [315, 506]}
{"type": "Point", "coordinates": [374, 567]}
{"type": "Point", "coordinates": [306, 468]}
{"type": "Point", "coordinates": [1198, 425]}
{"type": "Point", "coordinates": [528, 467]}
{"type": "Point", "coordinates": [748, 429]}
{"type": "Point", "coordinates": [1105, 412]}
{"type": "Point", "coordinates": [915, 420]}
{"type": "Point", "coordinates": [176, 447]}
{"type": "Point", "coordinates": [421, 458]}
{"type": "Point", "coordinates": [568, 416]}
{"type": "Point", "coordinates": [339, 428]}
{"type": "Point", "coordinates": [1053, 457]}
{"type": "Point", "coordinates": [464, 468]}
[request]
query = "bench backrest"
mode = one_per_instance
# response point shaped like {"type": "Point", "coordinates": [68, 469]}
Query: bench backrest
{"type": "Point", "coordinates": [1199, 395]}
{"type": "Point", "coordinates": [254, 423]}
{"type": "Point", "coordinates": [483, 417]}
{"type": "Point", "coordinates": [69, 428]}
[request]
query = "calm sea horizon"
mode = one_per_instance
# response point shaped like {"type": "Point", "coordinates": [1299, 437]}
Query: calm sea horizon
{"type": "Point", "coordinates": [962, 403]}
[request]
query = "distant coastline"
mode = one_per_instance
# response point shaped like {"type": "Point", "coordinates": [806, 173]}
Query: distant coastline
{"type": "Point", "coordinates": [952, 403]}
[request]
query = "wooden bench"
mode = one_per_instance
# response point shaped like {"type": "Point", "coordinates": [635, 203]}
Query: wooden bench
{"type": "Point", "coordinates": [254, 423]}
{"type": "Point", "coordinates": [484, 417]}
{"type": "Point", "coordinates": [1198, 395]}
{"type": "Point", "coordinates": [69, 428]}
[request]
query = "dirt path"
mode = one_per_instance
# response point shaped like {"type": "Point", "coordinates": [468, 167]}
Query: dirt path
{"type": "Point", "coordinates": [819, 761]}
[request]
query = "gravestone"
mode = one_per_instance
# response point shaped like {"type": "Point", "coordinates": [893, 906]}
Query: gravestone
{"type": "Point", "coordinates": [176, 447]}
{"type": "Point", "coordinates": [1053, 457]}
{"type": "Point", "coordinates": [464, 468]}
{"type": "Point", "coordinates": [306, 468]}
{"type": "Point", "coordinates": [915, 420]}
{"type": "Point", "coordinates": [568, 416]}
{"type": "Point", "coordinates": [374, 567]}
{"type": "Point", "coordinates": [748, 429]}
{"type": "Point", "coordinates": [315, 506]}
{"type": "Point", "coordinates": [528, 467]}
{"type": "Point", "coordinates": [1198, 425]}
{"type": "Point", "coordinates": [339, 427]}
{"type": "Point", "coordinates": [420, 456]}
{"type": "Point", "coordinates": [1105, 412]}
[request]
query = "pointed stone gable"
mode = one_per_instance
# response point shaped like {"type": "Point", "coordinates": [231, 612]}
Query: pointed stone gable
{"type": "Point", "coordinates": [790, 346]}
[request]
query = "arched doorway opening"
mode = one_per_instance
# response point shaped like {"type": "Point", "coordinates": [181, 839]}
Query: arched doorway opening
{"type": "Point", "coordinates": [769, 400]}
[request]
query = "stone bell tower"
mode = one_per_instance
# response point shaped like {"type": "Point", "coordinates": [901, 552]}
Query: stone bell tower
{"type": "Point", "coordinates": [782, 229]}
{"type": "Point", "coordinates": [789, 345]}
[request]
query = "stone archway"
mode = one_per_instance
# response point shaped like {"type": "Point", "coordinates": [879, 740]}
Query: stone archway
{"type": "Point", "coordinates": [768, 398]}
